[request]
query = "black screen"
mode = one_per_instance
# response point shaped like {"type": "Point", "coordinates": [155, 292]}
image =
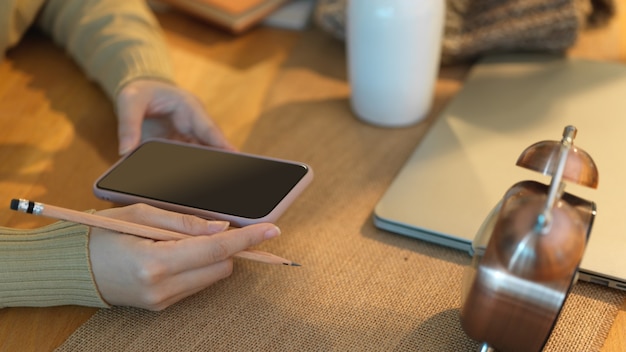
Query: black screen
{"type": "Point", "coordinates": [206, 179]}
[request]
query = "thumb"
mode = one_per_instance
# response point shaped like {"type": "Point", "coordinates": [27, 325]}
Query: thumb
{"type": "Point", "coordinates": [130, 118]}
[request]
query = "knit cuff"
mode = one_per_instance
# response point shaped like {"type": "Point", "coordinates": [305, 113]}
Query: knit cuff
{"type": "Point", "coordinates": [48, 266]}
{"type": "Point", "coordinates": [133, 65]}
{"type": "Point", "coordinates": [134, 49]}
{"type": "Point", "coordinates": [114, 41]}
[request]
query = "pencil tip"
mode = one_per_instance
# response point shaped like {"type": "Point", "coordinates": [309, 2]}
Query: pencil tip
{"type": "Point", "coordinates": [295, 264]}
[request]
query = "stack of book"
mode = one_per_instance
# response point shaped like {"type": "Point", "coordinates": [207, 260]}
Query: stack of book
{"type": "Point", "coordinates": [235, 16]}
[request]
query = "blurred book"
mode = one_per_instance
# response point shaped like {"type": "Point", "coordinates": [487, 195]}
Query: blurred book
{"type": "Point", "coordinates": [235, 16]}
{"type": "Point", "coordinates": [295, 14]}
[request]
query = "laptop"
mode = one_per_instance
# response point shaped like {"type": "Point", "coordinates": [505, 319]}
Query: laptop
{"type": "Point", "coordinates": [466, 161]}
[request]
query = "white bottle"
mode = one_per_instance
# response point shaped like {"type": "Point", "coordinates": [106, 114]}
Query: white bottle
{"type": "Point", "coordinates": [394, 49]}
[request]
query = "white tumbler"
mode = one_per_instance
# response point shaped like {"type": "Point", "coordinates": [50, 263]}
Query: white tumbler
{"type": "Point", "coordinates": [394, 49]}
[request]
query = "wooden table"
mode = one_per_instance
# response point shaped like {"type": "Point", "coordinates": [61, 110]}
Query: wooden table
{"type": "Point", "coordinates": [58, 131]}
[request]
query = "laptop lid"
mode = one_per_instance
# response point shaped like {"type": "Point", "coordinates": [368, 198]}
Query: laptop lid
{"type": "Point", "coordinates": [466, 161]}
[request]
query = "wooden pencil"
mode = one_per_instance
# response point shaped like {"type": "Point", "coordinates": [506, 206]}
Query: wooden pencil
{"type": "Point", "coordinates": [129, 228]}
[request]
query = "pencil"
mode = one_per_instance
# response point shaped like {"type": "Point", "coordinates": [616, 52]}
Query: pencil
{"type": "Point", "coordinates": [129, 228]}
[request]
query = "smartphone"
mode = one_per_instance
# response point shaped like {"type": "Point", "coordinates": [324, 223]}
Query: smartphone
{"type": "Point", "coordinates": [211, 183]}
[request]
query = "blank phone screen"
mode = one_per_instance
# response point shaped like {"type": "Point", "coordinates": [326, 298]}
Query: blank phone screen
{"type": "Point", "coordinates": [213, 180]}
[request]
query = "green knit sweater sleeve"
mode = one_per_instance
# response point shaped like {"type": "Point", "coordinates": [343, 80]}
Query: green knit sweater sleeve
{"type": "Point", "coordinates": [114, 41]}
{"type": "Point", "coordinates": [48, 266]}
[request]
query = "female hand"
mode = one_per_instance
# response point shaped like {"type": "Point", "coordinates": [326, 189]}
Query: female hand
{"type": "Point", "coordinates": [150, 108]}
{"type": "Point", "coordinates": [133, 271]}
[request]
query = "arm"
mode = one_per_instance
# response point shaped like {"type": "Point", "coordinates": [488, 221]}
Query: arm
{"type": "Point", "coordinates": [64, 263]}
{"type": "Point", "coordinates": [119, 44]}
{"type": "Point", "coordinates": [113, 41]}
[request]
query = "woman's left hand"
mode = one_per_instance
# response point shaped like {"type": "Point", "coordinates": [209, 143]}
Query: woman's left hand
{"type": "Point", "coordinates": [151, 108]}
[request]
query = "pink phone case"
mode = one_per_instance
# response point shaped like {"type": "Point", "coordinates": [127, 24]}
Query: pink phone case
{"type": "Point", "coordinates": [276, 212]}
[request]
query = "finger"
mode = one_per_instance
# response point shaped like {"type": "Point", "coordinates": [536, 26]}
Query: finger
{"type": "Point", "coordinates": [206, 131]}
{"type": "Point", "coordinates": [201, 251]}
{"type": "Point", "coordinates": [188, 283]}
{"type": "Point", "coordinates": [151, 216]}
{"type": "Point", "coordinates": [193, 120]}
{"type": "Point", "coordinates": [130, 112]}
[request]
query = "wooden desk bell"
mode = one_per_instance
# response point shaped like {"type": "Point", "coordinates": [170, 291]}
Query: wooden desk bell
{"type": "Point", "coordinates": [527, 252]}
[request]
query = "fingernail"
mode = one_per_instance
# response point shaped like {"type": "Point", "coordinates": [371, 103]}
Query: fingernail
{"type": "Point", "coordinates": [272, 232]}
{"type": "Point", "coordinates": [126, 144]}
{"type": "Point", "coordinates": [219, 225]}
{"type": "Point", "coordinates": [124, 150]}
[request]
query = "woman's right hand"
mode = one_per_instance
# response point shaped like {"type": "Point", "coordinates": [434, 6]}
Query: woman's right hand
{"type": "Point", "coordinates": [133, 271]}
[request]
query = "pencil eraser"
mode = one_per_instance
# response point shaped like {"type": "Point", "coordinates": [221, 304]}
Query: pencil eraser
{"type": "Point", "coordinates": [14, 204]}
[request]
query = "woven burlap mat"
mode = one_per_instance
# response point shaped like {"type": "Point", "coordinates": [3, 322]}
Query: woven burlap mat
{"type": "Point", "coordinates": [359, 289]}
